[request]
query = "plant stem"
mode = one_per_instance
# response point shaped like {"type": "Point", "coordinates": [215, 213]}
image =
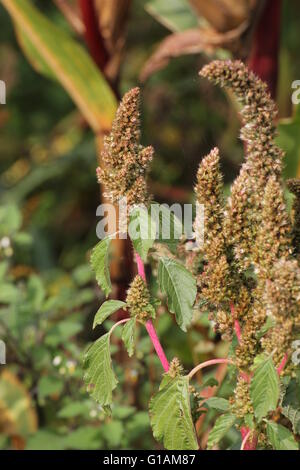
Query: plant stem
{"type": "Point", "coordinates": [237, 326]}
{"type": "Point", "coordinates": [282, 364]}
{"type": "Point", "coordinates": [149, 325]}
{"type": "Point", "coordinates": [157, 346]}
{"type": "Point", "coordinates": [248, 444]}
{"type": "Point", "coordinates": [211, 362]}
{"type": "Point", "coordinates": [140, 267]}
{"type": "Point", "coordinates": [245, 440]}
{"type": "Point", "coordinates": [125, 320]}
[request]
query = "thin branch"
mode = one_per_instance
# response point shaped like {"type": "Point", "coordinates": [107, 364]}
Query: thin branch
{"type": "Point", "coordinates": [211, 362]}
{"type": "Point", "coordinates": [93, 36]}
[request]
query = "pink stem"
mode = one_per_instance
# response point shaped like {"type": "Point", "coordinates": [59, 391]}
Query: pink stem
{"type": "Point", "coordinates": [237, 326]}
{"type": "Point", "coordinates": [140, 267]}
{"type": "Point", "coordinates": [149, 325]}
{"type": "Point", "coordinates": [248, 444]}
{"type": "Point", "coordinates": [282, 364]}
{"type": "Point", "coordinates": [211, 362]}
{"type": "Point", "coordinates": [245, 440]}
{"type": "Point", "coordinates": [120, 322]}
{"type": "Point", "coordinates": [157, 346]}
{"type": "Point", "coordinates": [238, 331]}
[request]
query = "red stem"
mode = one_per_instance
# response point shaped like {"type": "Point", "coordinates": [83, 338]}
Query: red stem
{"type": "Point", "coordinates": [92, 34]}
{"type": "Point", "coordinates": [149, 325]}
{"type": "Point", "coordinates": [211, 362]}
{"type": "Point", "coordinates": [248, 444]}
{"type": "Point", "coordinates": [282, 364]}
{"type": "Point", "coordinates": [157, 346]}
{"type": "Point", "coordinates": [264, 57]}
{"type": "Point", "coordinates": [237, 326]}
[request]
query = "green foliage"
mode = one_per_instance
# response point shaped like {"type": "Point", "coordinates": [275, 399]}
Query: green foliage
{"type": "Point", "coordinates": [291, 404]}
{"type": "Point", "coordinates": [107, 308]}
{"type": "Point", "coordinates": [180, 288]}
{"type": "Point", "coordinates": [175, 15]}
{"type": "Point", "coordinates": [99, 375]}
{"type": "Point", "coordinates": [288, 140]}
{"type": "Point", "coordinates": [264, 389]}
{"type": "Point", "coordinates": [128, 336]}
{"type": "Point", "coordinates": [220, 429]}
{"type": "Point", "coordinates": [45, 43]}
{"type": "Point", "coordinates": [280, 437]}
{"type": "Point", "coordinates": [170, 415]}
{"type": "Point", "coordinates": [217, 403]}
{"type": "Point", "coordinates": [169, 227]}
{"type": "Point", "coordinates": [142, 231]}
{"type": "Point", "coordinates": [99, 262]}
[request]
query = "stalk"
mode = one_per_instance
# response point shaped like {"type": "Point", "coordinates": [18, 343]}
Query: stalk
{"type": "Point", "coordinates": [149, 325]}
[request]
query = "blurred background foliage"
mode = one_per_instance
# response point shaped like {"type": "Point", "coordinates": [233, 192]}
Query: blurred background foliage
{"type": "Point", "coordinates": [49, 192]}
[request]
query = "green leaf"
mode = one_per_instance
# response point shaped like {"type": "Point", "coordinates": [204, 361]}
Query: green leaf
{"type": "Point", "coordinates": [62, 331]}
{"type": "Point", "coordinates": [291, 404]}
{"type": "Point", "coordinates": [99, 375]}
{"type": "Point", "coordinates": [55, 53]}
{"type": "Point", "coordinates": [179, 286]}
{"type": "Point", "coordinates": [169, 227]}
{"type": "Point", "coordinates": [217, 403]}
{"type": "Point", "coordinates": [220, 429]}
{"type": "Point", "coordinates": [280, 437]}
{"type": "Point", "coordinates": [99, 262]}
{"type": "Point", "coordinates": [73, 409]}
{"type": "Point", "coordinates": [170, 415]}
{"type": "Point", "coordinates": [142, 231]}
{"type": "Point", "coordinates": [49, 385]}
{"type": "Point", "coordinates": [264, 389]}
{"type": "Point", "coordinates": [9, 293]}
{"type": "Point", "coordinates": [85, 437]}
{"type": "Point", "coordinates": [209, 382]}
{"type": "Point", "coordinates": [128, 336]}
{"type": "Point", "coordinates": [289, 140]}
{"type": "Point", "coordinates": [175, 15]}
{"type": "Point", "coordinates": [107, 308]}
{"type": "Point", "coordinates": [270, 323]}
{"type": "Point", "coordinates": [10, 220]}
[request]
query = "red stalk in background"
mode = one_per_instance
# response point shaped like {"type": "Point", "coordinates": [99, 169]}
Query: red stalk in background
{"type": "Point", "coordinates": [92, 34]}
{"type": "Point", "coordinates": [264, 56]}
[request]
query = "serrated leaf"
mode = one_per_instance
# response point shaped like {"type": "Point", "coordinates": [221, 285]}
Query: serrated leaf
{"type": "Point", "coordinates": [175, 15]}
{"type": "Point", "coordinates": [280, 437]}
{"type": "Point", "coordinates": [293, 415]}
{"type": "Point", "coordinates": [107, 308]}
{"type": "Point", "coordinates": [170, 415]}
{"type": "Point", "coordinates": [99, 375]}
{"type": "Point", "coordinates": [179, 286]}
{"type": "Point", "coordinates": [55, 53]}
{"type": "Point", "coordinates": [264, 389]}
{"type": "Point", "coordinates": [169, 227]}
{"type": "Point", "coordinates": [217, 403]}
{"type": "Point", "coordinates": [291, 404]}
{"type": "Point", "coordinates": [142, 231]}
{"type": "Point", "coordinates": [128, 336]}
{"type": "Point", "coordinates": [220, 429]}
{"type": "Point", "coordinates": [99, 262]}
